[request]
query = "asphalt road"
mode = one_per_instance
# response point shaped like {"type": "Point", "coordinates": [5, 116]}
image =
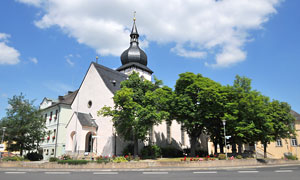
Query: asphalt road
{"type": "Point", "coordinates": [265, 173]}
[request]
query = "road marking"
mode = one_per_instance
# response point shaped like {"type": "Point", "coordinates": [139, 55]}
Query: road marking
{"type": "Point", "coordinates": [248, 171]}
{"type": "Point", "coordinates": [57, 172]}
{"type": "Point", "coordinates": [206, 172]}
{"type": "Point", "coordinates": [15, 172]}
{"type": "Point", "coordinates": [155, 173]}
{"type": "Point", "coordinates": [280, 171]}
{"type": "Point", "coordinates": [105, 173]}
{"type": "Point", "coordinates": [289, 168]}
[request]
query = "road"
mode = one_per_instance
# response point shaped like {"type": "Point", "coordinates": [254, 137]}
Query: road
{"type": "Point", "coordinates": [265, 173]}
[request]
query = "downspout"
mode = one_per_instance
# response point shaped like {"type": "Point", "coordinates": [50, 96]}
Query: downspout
{"type": "Point", "coordinates": [56, 136]}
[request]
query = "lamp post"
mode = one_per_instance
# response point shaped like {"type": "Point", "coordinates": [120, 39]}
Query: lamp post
{"type": "Point", "coordinates": [224, 124]}
{"type": "Point", "coordinates": [3, 129]}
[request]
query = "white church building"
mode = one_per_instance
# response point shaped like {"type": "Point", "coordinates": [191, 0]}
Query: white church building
{"type": "Point", "coordinates": [87, 133]}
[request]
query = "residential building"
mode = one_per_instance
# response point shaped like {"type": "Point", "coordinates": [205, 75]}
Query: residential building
{"type": "Point", "coordinates": [56, 114]}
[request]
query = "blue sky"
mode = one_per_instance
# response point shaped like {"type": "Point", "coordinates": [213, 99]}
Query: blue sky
{"type": "Point", "coordinates": [46, 46]}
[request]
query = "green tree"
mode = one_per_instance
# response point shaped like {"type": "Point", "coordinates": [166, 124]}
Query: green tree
{"type": "Point", "coordinates": [197, 103]}
{"type": "Point", "coordinates": [24, 125]}
{"type": "Point", "coordinates": [136, 109]}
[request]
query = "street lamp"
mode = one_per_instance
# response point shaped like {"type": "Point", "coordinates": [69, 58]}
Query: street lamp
{"type": "Point", "coordinates": [224, 124]}
{"type": "Point", "coordinates": [3, 129]}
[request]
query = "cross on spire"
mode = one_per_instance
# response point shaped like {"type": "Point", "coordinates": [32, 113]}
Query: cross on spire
{"type": "Point", "coordinates": [134, 12]}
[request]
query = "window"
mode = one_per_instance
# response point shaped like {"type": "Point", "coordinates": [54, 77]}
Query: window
{"type": "Point", "coordinates": [278, 143]}
{"type": "Point", "coordinates": [54, 134]}
{"type": "Point", "coordinates": [169, 138]}
{"type": "Point", "coordinates": [294, 142]}
{"type": "Point", "coordinates": [56, 113]}
{"type": "Point", "coordinates": [52, 151]}
{"type": "Point", "coordinates": [90, 103]}
{"type": "Point", "coordinates": [50, 116]}
{"type": "Point", "coordinates": [45, 117]}
{"type": "Point", "coordinates": [151, 140]}
{"type": "Point", "coordinates": [182, 136]}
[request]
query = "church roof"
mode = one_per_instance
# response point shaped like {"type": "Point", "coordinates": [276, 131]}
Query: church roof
{"type": "Point", "coordinates": [126, 66]}
{"type": "Point", "coordinates": [86, 120]}
{"type": "Point", "coordinates": [296, 115]}
{"type": "Point", "coordinates": [134, 53]}
{"type": "Point", "coordinates": [111, 78]}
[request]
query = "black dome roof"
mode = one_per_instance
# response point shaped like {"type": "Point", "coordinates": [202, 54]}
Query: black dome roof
{"type": "Point", "coordinates": [134, 53]}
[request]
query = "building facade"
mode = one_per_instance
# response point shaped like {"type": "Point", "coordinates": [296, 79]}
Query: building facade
{"type": "Point", "coordinates": [56, 114]}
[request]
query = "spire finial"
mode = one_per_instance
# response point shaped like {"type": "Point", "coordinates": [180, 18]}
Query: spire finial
{"type": "Point", "coordinates": [134, 12]}
{"type": "Point", "coordinates": [97, 59]}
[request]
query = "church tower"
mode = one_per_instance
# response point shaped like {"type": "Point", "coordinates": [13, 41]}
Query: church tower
{"type": "Point", "coordinates": [134, 58]}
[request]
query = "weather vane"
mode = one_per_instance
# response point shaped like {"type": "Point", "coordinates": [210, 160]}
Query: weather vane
{"type": "Point", "coordinates": [134, 12]}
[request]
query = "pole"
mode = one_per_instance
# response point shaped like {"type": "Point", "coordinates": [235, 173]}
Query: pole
{"type": "Point", "coordinates": [224, 123]}
{"type": "Point", "coordinates": [3, 129]}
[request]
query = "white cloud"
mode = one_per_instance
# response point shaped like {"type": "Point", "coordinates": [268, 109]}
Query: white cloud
{"type": "Point", "coordinates": [196, 27]}
{"type": "Point", "coordinates": [34, 60]}
{"type": "Point", "coordinates": [8, 54]}
{"type": "Point", "coordinates": [68, 59]}
{"type": "Point", "coordinates": [36, 3]}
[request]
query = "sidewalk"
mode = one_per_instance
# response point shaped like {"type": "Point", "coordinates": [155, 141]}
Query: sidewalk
{"type": "Point", "coordinates": [149, 166]}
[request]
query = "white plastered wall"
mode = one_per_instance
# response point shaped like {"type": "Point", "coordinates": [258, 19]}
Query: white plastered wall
{"type": "Point", "coordinates": [94, 89]}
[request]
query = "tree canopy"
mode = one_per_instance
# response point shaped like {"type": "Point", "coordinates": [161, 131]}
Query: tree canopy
{"type": "Point", "coordinates": [24, 125]}
{"type": "Point", "coordinates": [136, 108]}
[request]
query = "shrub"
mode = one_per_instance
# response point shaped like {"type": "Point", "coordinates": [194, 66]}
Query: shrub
{"type": "Point", "coordinates": [73, 162]}
{"type": "Point", "coordinates": [171, 152]}
{"type": "Point", "coordinates": [65, 157]}
{"type": "Point", "coordinates": [119, 159]}
{"type": "Point", "coordinates": [129, 149]}
{"type": "Point", "coordinates": [291, 157]}
{"type": "Point", "coordinates": [53, 159]}
{"type": "Point", "coordinates": [239, 157]}
{"type": "Point", "coordinates": [13, 158]}
{"type": "Point", "coordinates": [222, 156]}
{"type": "Point", "coordinates": [101, 159]}
{"type": "Point", "coordinates": [34, 156]}
{"type": "Point", "coordinates": [152, 151]}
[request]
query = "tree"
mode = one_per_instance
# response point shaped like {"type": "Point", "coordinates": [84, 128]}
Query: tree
{"type": "Point", "coordinates": [197, 102]}
{"type": "Point", "coordinates": [136, 109]}
{"type": "Point", "coordinates": [277, 123]}
{"type": "Point", "coordinates": [24, 125]}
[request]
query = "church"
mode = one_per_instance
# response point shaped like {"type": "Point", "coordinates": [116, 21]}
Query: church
{"type": "Point", "coordinates": [87, 133]}
{"type": "Point", "coordinates": [74, 128]}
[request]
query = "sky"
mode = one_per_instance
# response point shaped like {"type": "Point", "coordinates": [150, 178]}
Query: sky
{"type": "Point", "coordinates": [46, 46]}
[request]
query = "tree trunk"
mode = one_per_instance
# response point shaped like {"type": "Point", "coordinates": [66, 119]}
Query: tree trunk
{"type": "Point", "coordinates": [21, 150]}
{"type": "Point", "coordinates": [136, 146]}
{"type": "Point", "coordinates": [233, 146]}
{"type": "Point", "coordinates": [265, 149]}
{"type": "Point", "coordinates": [221, 145]}
{"type": "Point", "coordinates": [240, 145]}
{"type": "Point", "coordinates": [216, 146]}
{"type": "Point", "coordinates": [193, 146]}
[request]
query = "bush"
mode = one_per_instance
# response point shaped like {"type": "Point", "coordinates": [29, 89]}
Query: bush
{"type": "Point", "coordinates": [13, 158]}
{"type": "Point", "coordinates": [129, 149]}
{"type": "Point", "coordinates": [101, 159]}
{"type": "Point", "coordinates": [119, 159]}
{"type": "Point", "coordinates": [222, 156]}
{"type": "Point", "coordinates": [65, 157]}
{"type": "Point", "coordinates": [72, 162]}
{"type": "Point", "coordinates": [34, 156]}
{"type": "Point", "coordinates": [291, 157]}
{"type": "Point", "coordinates": [153, 152]}
{"type": "Point", "coordinates": [171, 152]}
{"type": "Point", "coordinates": [53, 159]}
{"type": "Point", "coordinates": [239, 157]}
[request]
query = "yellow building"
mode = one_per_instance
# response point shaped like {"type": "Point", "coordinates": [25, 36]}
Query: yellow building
{"type": "Point", "coordinates": [281, 147]}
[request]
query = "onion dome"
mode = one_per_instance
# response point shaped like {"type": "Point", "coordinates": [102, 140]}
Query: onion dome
{"type": "Point", "coordinates": [134, 54]}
